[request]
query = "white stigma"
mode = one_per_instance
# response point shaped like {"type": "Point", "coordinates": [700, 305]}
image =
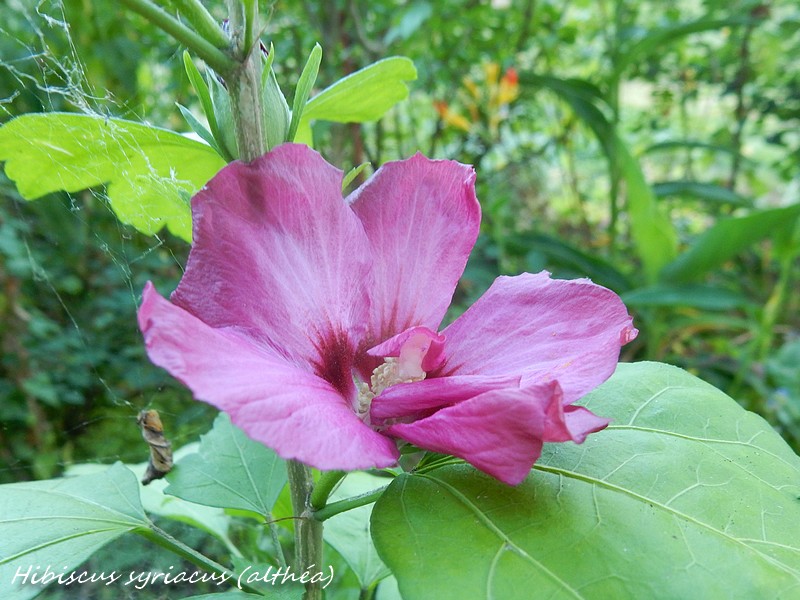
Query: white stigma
{"type": "Point", "coordinates": [384, 376]}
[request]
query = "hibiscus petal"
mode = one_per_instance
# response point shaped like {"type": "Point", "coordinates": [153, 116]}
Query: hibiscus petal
{"type": "Point", "coordinates": [418, 350]}
{"type": "Point", "coordinates": [501, 432]}
{"type": "Point", "coordinates": [409, 399]}
{"type": "Point", "coordinates": [278, 254]}
{"type": "Point", "coordinates": [543, 329]}
{"type": "Point", "coordinates": [299, 415]}
{"type": "Point", "coordinates": [582, 422]}
{"type": "Point", "coordinates": [422, 218]}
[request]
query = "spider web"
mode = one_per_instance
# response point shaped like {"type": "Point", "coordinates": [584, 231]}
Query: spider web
{"type": "Point", "coordinates": [73, 366]}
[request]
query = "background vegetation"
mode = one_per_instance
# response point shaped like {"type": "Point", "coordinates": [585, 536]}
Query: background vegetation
{"type": "Point", "coordinates": [650, 146]}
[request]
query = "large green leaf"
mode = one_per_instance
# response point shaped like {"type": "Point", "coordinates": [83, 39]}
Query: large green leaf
{"type": "Point", "coordinates": [61, 522]}
{"type": "Point", "coordinates": [364, 95]}
{"type": "Point", "coordinates": [145, 168]}
{"type": "Point", "coordinates": [349, 532]}
{"type": "Point", "coordinates": [685, 495]}
{"type": "Point", "coordinates": [229, 471]}
{"type": "Point", "coordinates": [154, 501]}
{"type": "Point", "coordinates": [728, 238]}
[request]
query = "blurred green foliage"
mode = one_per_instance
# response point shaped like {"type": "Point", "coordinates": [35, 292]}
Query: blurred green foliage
{"type": "Point", "coordinates": [640, 134]}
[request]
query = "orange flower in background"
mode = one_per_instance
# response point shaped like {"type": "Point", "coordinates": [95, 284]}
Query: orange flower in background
{"type": "Point", "coordinates": [509, 86]}
{"type": "Point", "coordinates": [450, 117]}
{"type": "Point", "coordinates": [485, 99]}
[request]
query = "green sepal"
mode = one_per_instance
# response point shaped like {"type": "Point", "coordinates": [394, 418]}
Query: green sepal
{"type": "Point", "coordinates": [198, 128]}
{"type": "Point", "coordinates": [276, 110]}
{"type": "Point", "coordinates": [224, 116]}
{"type": "Point", "coordinates": [304, 85]}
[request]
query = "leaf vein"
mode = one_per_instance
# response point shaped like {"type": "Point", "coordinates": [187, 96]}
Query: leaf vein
{"type": "Point", "coordinates": [688, 518]}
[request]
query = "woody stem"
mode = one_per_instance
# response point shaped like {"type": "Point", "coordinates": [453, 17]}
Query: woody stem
{"type": "Point", "coordinates": [307, 529]}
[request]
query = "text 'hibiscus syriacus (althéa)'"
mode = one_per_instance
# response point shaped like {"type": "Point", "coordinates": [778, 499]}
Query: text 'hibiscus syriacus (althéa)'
{"type": "Point", "coordinates": [313, 321]}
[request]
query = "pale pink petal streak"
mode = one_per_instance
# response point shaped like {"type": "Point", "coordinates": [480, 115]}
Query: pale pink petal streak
{"type": "Point", "coordinates": [278, 255]}
{"type": "Point", "coordinates": [422, 218]}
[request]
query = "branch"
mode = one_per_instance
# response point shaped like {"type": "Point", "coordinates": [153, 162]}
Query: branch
{"type": "Point", "coordinates": [203, 22]}
{"type": "Point", "coordinates": [214, 57]}
{"type": "Point", "coordinates": [349, 503]}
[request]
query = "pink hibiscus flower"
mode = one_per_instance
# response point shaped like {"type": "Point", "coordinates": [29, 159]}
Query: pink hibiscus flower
{"type": "Point", "coordinates": [312, 320]}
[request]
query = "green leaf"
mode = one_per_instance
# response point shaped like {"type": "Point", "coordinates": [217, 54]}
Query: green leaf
{"type": "Point", "coordinates": [352, 174]}
{"type": "Point", "coordinates": [728, 238]}
{"type": "Point", "coordinates": [279, 591]}
{"type": "Point", "coordinates": [652, 232]}
{"type": "Point", "coordinates": [229, 595]}
{"type": "Point", "coordinates": [203, 93]}
{"type": "Point", "coordinates": [684, 495]}
{"type": "Point", "coordinates": [301, 93]}
{"type": "Point", "coordinates": [545, 251]}
{"type": "Point", "coordinates": [413, 18]}
{"type": "Point", "coordinates": [705, 297]}
{"type": "Point", "coordinates": [258, 575]}
{"type": "Point", "coordinates": [710, 192]}
{"type": "Point", "coordinates": [364, 95]}
{"type": "Point", "coordinates": [61, 522]}
{"type": "Point", "coordinates": [671, 145]}
{"type": "Point", "coordinates": [304, 134]}
{"type": "Point", "coordinates": [388, 590]}
{"type": "Point", "coordinates": [154, 501]}
{"type": "Point", "coordinates": [349, 532]}
{"type": "Point", "coordinates": [229, 471]}
{"type": "Point", "coordinates": [145, 168]}
{"type": "Point", "coordinates": [585, 99]}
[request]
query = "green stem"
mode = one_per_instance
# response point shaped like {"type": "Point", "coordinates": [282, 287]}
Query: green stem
{"type": "Point", "coordinates": [307, 529]}
{"type": "Point", "coordinates": [326, 483]}
{"type": "Point", "coordinates": [250, 23]}
{"type": "Point", "coordinates": [334, 508]}
{"type": "Point", "coordinates": [202, 21]}
{"type": "Point", "coordinates": [214, 57]}
{"type": "Point", "coordinates": [165, 540]}
{"type": "Point", "coordinates": [244, 86]}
